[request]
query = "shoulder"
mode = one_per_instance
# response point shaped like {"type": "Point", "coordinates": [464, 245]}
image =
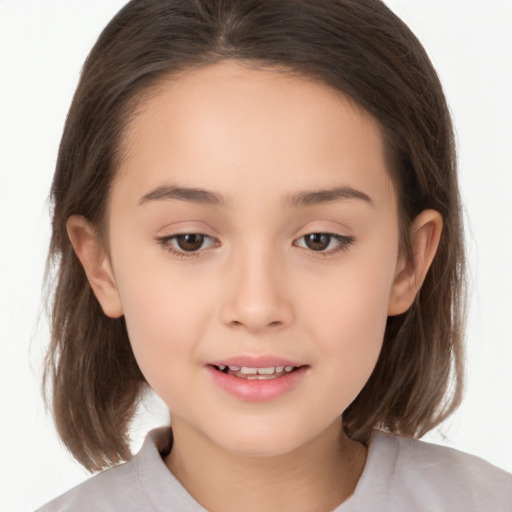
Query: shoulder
{"type": "Point", "coordinates": [143, 484]}
{"type": "Point", "coordinates": [107, 491]}
{"type": "Point", "coordinates": [443, 478]}
{"type": "Point", "coordinates": [114, 489]}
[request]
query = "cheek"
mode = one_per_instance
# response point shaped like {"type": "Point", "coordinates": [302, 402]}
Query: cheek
{"type": "Point", "coordinates": [163, 321]}
{"type": "Point", "coordinates": [352, 316]}
{"type": "Point", "coordinates": [354, 300]}
{"type": "Point", "coordinates": [356, 323]}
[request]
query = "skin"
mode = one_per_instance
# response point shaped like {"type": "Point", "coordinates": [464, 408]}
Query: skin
{"type": "Point", "coordinates": [255, 287]}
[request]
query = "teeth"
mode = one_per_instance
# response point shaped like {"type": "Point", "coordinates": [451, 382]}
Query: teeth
{"type": "Point", "coordinates": [263, 371]}
{"type": "Point", "coordinates": [253, 373]}
{"type": "Point", "coordinates": [248, 371]}
{"type": "Point", "coordinates": [266, 371]}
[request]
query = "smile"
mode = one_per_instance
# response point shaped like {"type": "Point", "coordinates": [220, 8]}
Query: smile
{"type": "Point", "coordinates": [257, 378]}
{"type": "Point", "coordinates": [245, 372]}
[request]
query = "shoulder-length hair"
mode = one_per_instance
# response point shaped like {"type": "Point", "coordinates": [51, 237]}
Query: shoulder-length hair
{"type": "Point", "coordinates": [358, 47]}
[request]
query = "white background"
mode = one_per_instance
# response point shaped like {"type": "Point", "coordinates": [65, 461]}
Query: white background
{"type": "Point", "coordinates": [42, 47]}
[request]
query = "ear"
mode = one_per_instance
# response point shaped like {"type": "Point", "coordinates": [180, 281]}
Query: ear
{"type": "Point", "coordinates": [425, 233]}
{"type": "Point", "coordinates": [95, 261]}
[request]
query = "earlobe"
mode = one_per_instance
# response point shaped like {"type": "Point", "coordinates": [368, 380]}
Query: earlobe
{"type": "Point", "coordinates": [425, 233]}
{"type": "Point", "coordinates": [95, 261]}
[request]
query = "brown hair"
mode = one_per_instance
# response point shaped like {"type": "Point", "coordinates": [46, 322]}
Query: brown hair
{"type": "Point", "coordinates": [360, 48]}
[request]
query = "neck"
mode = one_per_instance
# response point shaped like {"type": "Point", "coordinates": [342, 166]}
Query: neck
{"type": "Point", "coordinates": [318, 476]}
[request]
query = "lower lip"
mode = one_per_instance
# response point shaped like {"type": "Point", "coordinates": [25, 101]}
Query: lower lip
{"type": "Point", "coordinates": [254, 390]}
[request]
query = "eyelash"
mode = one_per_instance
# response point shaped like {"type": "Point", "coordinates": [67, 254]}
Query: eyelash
{"type": "Point", "coordinates": [167, 243]}
{"type": "Point", "coordinates": [344, 242]}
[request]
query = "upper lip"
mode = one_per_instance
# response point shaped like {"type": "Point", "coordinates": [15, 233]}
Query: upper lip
{"type": "Point", "coordinates": [248, 361]}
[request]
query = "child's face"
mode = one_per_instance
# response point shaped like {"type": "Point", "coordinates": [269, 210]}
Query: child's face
{"type": "Point", "coordinates": [254, 289]}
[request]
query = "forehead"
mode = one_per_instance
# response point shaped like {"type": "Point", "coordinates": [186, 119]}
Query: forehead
{"type": "Point", "coordinates": [238, 128]}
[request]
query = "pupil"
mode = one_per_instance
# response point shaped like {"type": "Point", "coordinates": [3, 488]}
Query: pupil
{"type": "Point", "coordinates": [318, 241]}
{"type": "Point", "coordinates": [191, 242]}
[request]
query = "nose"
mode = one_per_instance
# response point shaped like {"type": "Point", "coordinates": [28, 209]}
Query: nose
{"type": "Point", "coordinates": [257, 294]}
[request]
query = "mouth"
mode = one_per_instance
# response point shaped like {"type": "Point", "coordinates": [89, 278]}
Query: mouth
{"type": "Point", "coordinates": [258, 378]}
{"type": "Point", "coordinates": [253, 373]}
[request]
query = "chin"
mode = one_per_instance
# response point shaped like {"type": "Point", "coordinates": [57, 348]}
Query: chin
{"type": "Point", "coordinates": [264, 446]}
{"type": "Point", "coordinates": [261, 439]}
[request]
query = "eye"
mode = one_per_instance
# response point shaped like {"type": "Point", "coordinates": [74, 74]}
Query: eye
{"type": "Point", "coordinates": [187, 244]}
{"type": "Point", "coordinates": [325, 243]}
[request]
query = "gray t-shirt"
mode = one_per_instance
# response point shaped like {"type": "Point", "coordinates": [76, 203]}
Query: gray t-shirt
{"type": "Point", "coordinates": [401, 475]}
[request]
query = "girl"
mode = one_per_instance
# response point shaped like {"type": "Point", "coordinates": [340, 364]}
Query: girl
{"type": "Point", "coordinates": [256, 215]}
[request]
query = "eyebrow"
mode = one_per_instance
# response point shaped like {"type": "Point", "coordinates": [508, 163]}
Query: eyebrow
{"type": "Point", "coordinates": [194, 195]}
{"type": "Point", "coordinates": [297, 200]}
{"type": "Point", "coordinates": [311, 198]}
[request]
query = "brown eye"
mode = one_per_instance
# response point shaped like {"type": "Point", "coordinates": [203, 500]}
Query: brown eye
{"type": "Point", "coordinates": [325, 244]}
{"type": "Point", "coordinates": [187, 245]}
{"type": "Point", "coordinates": [317, 241]}
{"type": "Point", "coordinates": [190, 242]}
